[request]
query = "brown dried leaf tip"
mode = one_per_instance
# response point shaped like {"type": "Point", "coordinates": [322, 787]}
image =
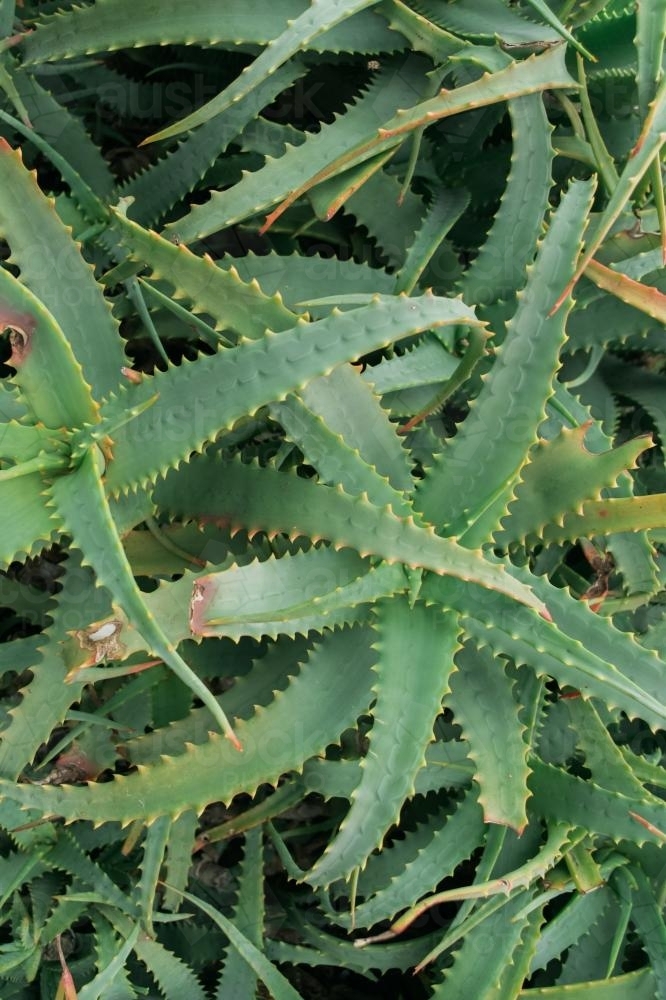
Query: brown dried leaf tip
{"type": "Point", "coordinates": [72, 768]}
{"type": "Point", "coordinates": [198, 605]}
{"type": "Point", "coordinates": [21, 327]}
{"type": "Point", "coordinates": [102, 640]}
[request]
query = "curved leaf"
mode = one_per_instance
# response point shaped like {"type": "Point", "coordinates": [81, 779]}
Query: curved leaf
{"type": "Point", "coordinates": [53, 269]}
{"type": "Point", "coordinates": [300, 32]}
{"type": "Point", "coordinates": [326, 698]}
{"type": "Point", "coordinates": [405, 710]}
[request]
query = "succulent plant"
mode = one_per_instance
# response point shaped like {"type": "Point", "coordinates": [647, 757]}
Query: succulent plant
{"type": "Point", "coordinates": [372, 528]}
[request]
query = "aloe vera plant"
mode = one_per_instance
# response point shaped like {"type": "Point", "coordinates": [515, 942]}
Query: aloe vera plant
{"type": "Point", "coordinates": [332, 470]}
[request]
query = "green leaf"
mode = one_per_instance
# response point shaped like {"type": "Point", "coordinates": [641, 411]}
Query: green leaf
{"type": "Point", "coordinates": [484, 459]}
{"type": "Point", "coordinates": [270, 673]}
{"type": "Point", "coordinates": [236, 305]}
{"type": "Point", "coordinates": [347, 405]}
{"type": "Point", "coordinates": [645, 388]}
{"type": "Point", "coordinates": [647, 918]}
{"type": "Point", "coordinates": [483, 704]}
{"type": "Point", "coordinates": [200, 399]}
{"type": "Point", "coordinates": [280, 988]}
{"type": "Point", "coordinates": [561, 796]}
{"type": "Point", "coordinates": [499, 269]}
{"type": "Point", "coordinates": [639, 985]}
{"type": "Point", "coordinates": [161, 185]}
{"type": "Point", "coordinates": [82, 504]}
{"type": "Point", "coordinates": [643, 297]}
{"type": "Point", "coordinates": [532, 75]}
{"type": "Point", "coordinates": [405, 710]}
{"type": "Point", "coordinates": [435, 851]}
{"type": "Point", "coordinates": [173, 975]}
{"type": "Point", "coordinates": [263, 498]}
{"type": "Point", "coordinates": [426, 364]}
{"type": "Point", "coordinates": [327, 198]}
{"type": "Point", "coordinates": [327, 697]}
{"type": "Point", "coordinates": [108, 976]}
{"type": "Point", "coordinates": [295, 277]}
{"type": "Point", "coordinates": [33, 525]}
{"type": "Point", "coordinates": [238, 978]}
{"type": "Point", "coordinates": [447, 766]}
{"type": "Point", "coordinates": [423, 35]}
{"type": "Point", "coordinates": [332, 453]}
{"type": "Point", "coordinates": [23, 442]}
{"type": "Point", "coordinates": [579, 915]}
{"type": "Point", "coordinates": [391, 88]}
{"type": "Point", "coordinates": [63, 130]}
{"type": "Point", "coordinates": [561, 474]}
{"type": "Point", "coordinates": [603, 758]}
{"type": "Point", "coordinates": [484, 20]}
{"type": "Point", "coordinates": [46, 698]}
{"type": "Point", "coordinates": [325, 949]}
{"type": "Point", "coordinates": [649, 42]}
{"type": "Point", "coordinates": [53, 269]}
{"type": "Point", "coordinates": [361, 421]}
{"type": "Point", "coordinates": [118, 24]}
{"type": "Point", "coordinates": [621, 514]}
{"type": "Point", "coordinates": [154, 847]}
{"type": "Point", "coordinates": [649, 143]}
{"type": "Point", "coordinates": [394, 232]}
{"type": "Point", "coordinates": [299, 34]}
{"type": "Point", "coordinates": [578, 648]}
{"type": "Point", "coordinates": [67, 855]}
{"type": "Point", "coordinates": [179, 857]}
{"type": "Point", "coordinates": [296, 593]}
{"type": "Point", "coordinates": [547, 15]}
{"type": "Point", "coordinates": [47, 372]}
{"type": "Point", "coordinates": [483, 978]}
{"type": "Point", "coordinates": [442, 214]}
{"type": "Point", "coordinates": [17, 869]}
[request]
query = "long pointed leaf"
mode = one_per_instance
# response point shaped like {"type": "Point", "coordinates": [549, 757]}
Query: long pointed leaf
{"type": "Point", "coordinates": [408, 702]}
{"type": "Point", "coordinates": [327, 697]}
{"type": "Point", "coordinates": [263, 498]}
{"type": "Point", "coordinates": [314, 21]}
{"type": "Point", "coordinates": [82, 504]}
{"type": "Point", "coordinates": [200, 399]}
{"type": "Point", "coordinates": [53, 268]}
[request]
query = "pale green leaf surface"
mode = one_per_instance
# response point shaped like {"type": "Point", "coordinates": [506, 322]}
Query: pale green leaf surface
{"type": "Point", "coordinates": [407, 704]}
{"type": "Point", "coordinates": [52, 267]}
{"type": "Point", "coordinates": [325, 698]}
{"type": "Point", "coordinates": [483, 703]}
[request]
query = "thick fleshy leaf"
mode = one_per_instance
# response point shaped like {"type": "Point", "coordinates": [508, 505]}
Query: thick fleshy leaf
{"type": "Point", "coordinates": [52, 268]}
{"type": "Point", "coordinates": [407, 704]}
